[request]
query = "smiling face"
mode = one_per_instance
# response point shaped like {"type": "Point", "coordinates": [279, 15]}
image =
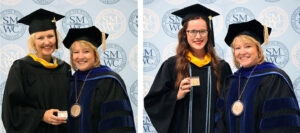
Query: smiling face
{"type": "Point", "coordinates": [245, 53]}
{"type": "Point", "coordinates": [44, 43]}
{"type": "Point", "coordinates": [198, 40]}
{"type": "Point", "coordinates": [83, 56]}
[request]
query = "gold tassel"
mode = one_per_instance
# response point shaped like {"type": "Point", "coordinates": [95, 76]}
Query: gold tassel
{"type": "Point", "coordinates": [103, 41]}
{"type": "Point", "coordinates": [266, 35]}
{"type": "Point", "coordinates": [53, 20]}
{"type": "Point", "coordinates": [209, 17]}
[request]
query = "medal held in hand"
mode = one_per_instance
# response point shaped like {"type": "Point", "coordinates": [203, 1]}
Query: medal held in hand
{"type": "Point", "coordinates": [75, 110]}
{"type": "Point", "coordinates": [195, 81]}
{"type": "Point", "coordinates": [237, 108]}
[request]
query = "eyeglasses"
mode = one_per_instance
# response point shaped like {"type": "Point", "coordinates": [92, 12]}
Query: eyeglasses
{"type": "Point", "coordinates": [194, 33]}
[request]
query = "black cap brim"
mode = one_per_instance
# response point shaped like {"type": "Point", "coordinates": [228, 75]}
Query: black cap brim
{"type": "Point", "coordinates": [193, 11]}
{"type": "Point", "coordinates": [41, 20]}
{"type": "Point", "coordinates": [252, 28]}
{"type": "Point", "coordinates": [91, 34]}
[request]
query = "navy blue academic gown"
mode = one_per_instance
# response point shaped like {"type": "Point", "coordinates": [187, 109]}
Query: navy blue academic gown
{"type": "Point", "coordinates": [104, 103]}
{"type": "Point", "coordinates": [270, 105]}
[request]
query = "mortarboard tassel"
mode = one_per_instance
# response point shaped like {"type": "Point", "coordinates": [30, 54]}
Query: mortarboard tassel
{"type": "Point", "coordinates": [212, 30]}
{"type": "Point", "coordinates": [266, 35]}
{"type": "Point", "coordinates": [54, 22]}
{"type": "Point", "coordinates": [103, 41]}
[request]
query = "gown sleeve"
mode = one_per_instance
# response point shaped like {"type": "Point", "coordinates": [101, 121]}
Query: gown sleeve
{"type": "Point", "coordinates": [115, 111]}
{"type": "Point", "coordinates": [220, 110]}
{"type": "Point", "coordinates": [278, 105]}
{"type": "Point", "coordinates": [160, 102]}
{"type": "Point", "coordinates": [225, 72]}
{"type": "Point", "coordinates": [18, 115]}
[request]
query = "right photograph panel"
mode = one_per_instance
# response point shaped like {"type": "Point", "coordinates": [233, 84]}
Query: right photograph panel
{"type": "Point", "coordinates": [221, 66]}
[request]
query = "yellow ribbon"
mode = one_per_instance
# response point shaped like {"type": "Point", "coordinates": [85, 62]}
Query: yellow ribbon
{"type": "Point", "coordinates": [197, 61]}
{"type": "Point", "coordinates": [43, 62]}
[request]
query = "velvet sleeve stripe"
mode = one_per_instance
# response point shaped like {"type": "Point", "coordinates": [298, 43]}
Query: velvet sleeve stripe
{"type": "Point", "coordinates": [280, 121]}
{"type": "Point", "coordinates": [114, 106]}
{"type": "Point", "coordinates": [280, 104]}
{"type": "Point", "coordinates": [116, 122]}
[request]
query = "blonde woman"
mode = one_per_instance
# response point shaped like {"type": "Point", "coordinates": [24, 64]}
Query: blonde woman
{"type": "Point", "coordinates": [37, 85]}
{"type": "Point", "coordinates": [259, 96]}
{"type": "Point", "coordinates": [98, 98]}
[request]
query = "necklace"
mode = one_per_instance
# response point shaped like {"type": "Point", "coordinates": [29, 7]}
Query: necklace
{"type": "Point", "coordinates": [76, 108]}
{"type": "Point", "coordinates": [237, 107]}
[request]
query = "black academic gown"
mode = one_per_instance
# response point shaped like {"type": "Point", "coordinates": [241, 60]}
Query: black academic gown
{"type": "Point", "coordinates": [104, 103]}
{"type": "Point", "coordinates": [171, 116]}
{"type": "Point", "coordinates": [269, 100]}
{"type": "Point", "coordinates": [30, 90]}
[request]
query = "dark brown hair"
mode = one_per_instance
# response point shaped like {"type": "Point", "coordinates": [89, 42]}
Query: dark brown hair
{"type": "Point", "coordinates": [183, 47]}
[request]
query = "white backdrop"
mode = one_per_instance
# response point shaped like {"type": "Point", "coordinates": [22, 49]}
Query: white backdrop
{"type": "Point", "coordinates": [161, 28]}
{"type": "Point", "coordinates": [116, 17]}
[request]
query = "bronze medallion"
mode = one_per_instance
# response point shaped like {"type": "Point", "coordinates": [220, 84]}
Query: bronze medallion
{"type": "Point", "coordinates": [237, 107]}
{"type": "Point", "coordinates": [75, 110]}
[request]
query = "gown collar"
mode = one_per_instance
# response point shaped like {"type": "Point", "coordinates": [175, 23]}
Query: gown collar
{"type": "Point", "coordinates": [196, 61]}
{"type": "Point", "coordinates": [82, 74]}
{"type": "Point", "coordinates": [43, 62]}
{"type": "Point", "coordinates": [244, 72]}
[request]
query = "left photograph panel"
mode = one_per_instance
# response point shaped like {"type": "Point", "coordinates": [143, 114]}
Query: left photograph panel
{"type": "Point", "coordinates": [68, 66]}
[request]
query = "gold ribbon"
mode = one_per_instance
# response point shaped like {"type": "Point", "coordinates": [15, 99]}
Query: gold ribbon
{"type": "Point", "coordinates": [43, 62]}
{"type": "Point", "coordinates": [103, 41]}
{"type": "Point", "coordinates": [197, 61]}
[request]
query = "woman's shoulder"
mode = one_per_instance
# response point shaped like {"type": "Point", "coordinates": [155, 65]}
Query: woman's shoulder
{"type": "Point", "coordinates": [22, 61]}
{"type": "Point", "coordinates": [170, 61]}
{"type": "Point", "coordinates": [223, 62]}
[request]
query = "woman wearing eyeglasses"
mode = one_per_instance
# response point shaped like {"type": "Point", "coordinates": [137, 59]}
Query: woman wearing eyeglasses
{"type": "Point", "coordinates": [183, 95]}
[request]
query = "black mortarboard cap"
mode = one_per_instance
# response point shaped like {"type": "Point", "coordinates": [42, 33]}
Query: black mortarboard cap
{"type": "Point", "coordinates": [252, 28]}
{"type": "Point", "coordinates": [41, 20]}
{"type": "Point", "coordinates": [91, 34]}
{"type": "Point", "coordinates": [193, 11]}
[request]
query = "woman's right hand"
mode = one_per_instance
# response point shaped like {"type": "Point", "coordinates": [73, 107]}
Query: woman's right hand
{"type": "Point", "coordinates": [184, 88]}
{"type": "Point", "coordinates": [51, 119]}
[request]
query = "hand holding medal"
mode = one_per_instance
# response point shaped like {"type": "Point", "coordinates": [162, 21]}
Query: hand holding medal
{"type": "Point", "coordinates": [185, 86]}
{"type": "Point", "coordinates": [55, 117]}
